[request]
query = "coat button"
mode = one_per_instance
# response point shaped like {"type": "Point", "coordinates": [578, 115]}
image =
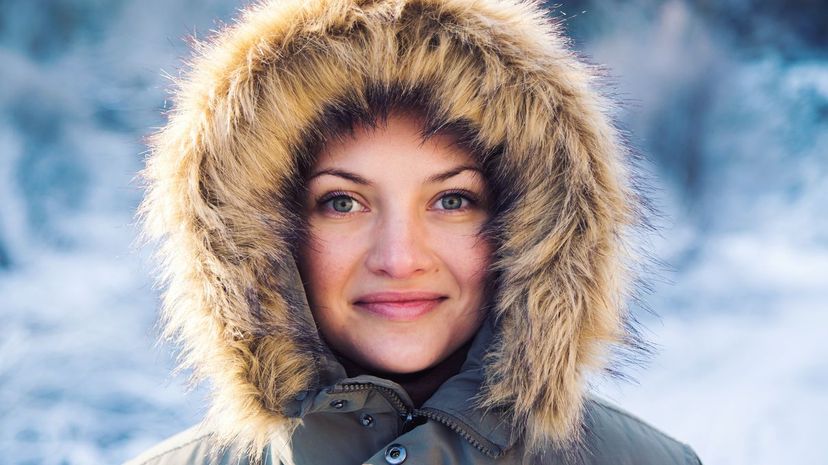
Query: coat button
{"type": "Point", "coordinates": [366, 420]}
{"type": "Point", "coordinates": [395, 454]}
{"type": "Point", "coordinates": [338, 403]}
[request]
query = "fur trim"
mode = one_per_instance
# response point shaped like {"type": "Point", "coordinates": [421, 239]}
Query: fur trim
{"type": "Point", "coordinates": [221, 172]}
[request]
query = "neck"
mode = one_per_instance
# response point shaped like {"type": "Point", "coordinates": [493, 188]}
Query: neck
{"type": "Point", "coordinates": [419, 385]}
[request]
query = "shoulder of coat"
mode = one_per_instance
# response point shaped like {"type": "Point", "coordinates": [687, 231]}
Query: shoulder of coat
{"type": "Point", "coordinates": [614, 433]}
{"type": "Point", "coordinates": [187, 443]}
{"type": "Point", "coordinates": [191, 447]}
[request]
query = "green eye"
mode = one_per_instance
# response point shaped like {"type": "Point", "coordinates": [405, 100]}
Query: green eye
{"type": "Point", "coordinates": [342, 203]}
{"type": "Point", "coordinates": [339, 204]}
{"type": "Point", "coordinates": [452, 201]}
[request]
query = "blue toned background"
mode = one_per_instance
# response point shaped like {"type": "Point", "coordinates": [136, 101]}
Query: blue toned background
{"type": "Point", "coordinates": [728, 101]}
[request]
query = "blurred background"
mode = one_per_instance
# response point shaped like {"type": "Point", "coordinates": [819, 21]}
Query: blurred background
{"type": "Point", "coordinates": [726, 100]}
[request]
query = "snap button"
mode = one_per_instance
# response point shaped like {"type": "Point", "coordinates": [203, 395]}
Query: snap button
{"type": "Point", "coordinates": [338, 403]}
{"type": "Point", "coordinates": [366, 420]}
{"type": "Point", "coordinates": [395, 454]}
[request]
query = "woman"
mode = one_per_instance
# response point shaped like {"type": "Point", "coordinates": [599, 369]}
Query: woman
{"type": "Point", "coordinates": [392, 231]}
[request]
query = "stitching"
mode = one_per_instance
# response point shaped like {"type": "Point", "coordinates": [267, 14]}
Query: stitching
{"type": "Point", "coordinates": [471, 425]}
{"type": "Point", "coordinates": [637, 420]}
{"type": "Point", "coordinates": [692, 456]}
{"type": "Point", "coordinates": [180, 446]}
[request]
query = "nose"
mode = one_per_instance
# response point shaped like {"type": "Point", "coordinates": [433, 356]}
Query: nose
{"type": "Point", "coordinates": [400, 247]}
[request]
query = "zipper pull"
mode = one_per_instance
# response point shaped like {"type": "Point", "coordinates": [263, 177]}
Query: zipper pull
{"type": "Point", "coordinates": [409, 421]}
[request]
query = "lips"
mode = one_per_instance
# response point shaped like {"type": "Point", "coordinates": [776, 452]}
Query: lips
{"type": "Point", "coordinates": [399, 306]}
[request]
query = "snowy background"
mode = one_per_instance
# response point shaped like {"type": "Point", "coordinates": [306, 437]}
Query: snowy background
{"type": "Point", "coordinates": [727, 100]}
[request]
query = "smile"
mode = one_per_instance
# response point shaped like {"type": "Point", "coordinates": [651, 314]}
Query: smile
{"type": "Point", "coordinates": [401, 310]}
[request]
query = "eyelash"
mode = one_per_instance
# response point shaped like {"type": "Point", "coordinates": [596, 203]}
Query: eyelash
{"type": "Point", "coordinates": [469, 196]}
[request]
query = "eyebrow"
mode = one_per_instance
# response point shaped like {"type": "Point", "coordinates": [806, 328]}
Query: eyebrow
{"type": "Point", "coordinates": [353, 177]}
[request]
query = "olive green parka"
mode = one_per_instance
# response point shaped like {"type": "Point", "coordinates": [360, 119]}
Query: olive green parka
{"type": "Point", "coordinates": [259, 97]}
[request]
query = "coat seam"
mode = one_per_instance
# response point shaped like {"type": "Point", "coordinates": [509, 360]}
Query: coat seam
{"type": "Point", "coordinates": [470, 424]}
{"type": "Point", "coordinates": [692, 456]}
{"type": "Point", "coordinates": [639, 421]}
{"type": "Point", "coordinates": [180, 446]}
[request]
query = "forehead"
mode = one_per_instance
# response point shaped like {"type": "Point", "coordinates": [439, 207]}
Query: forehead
{"type": "Point", "coordinates": [398, 142]}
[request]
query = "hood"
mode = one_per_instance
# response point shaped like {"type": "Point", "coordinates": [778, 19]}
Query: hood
{"type": "Point", "coordinates": [222, 173]}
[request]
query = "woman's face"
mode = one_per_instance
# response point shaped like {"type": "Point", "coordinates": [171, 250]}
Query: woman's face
{"type": "Point", "coordinates": [395, 270]}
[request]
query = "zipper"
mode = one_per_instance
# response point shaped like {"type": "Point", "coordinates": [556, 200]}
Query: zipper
{"type": "Point", "coordinates": [410, 414]}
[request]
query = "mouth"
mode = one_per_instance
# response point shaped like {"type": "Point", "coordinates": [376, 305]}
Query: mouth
{"type": "Point", "coordinates": [399, 307]}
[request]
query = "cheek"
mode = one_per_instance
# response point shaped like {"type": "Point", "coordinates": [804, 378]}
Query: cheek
{"type": "Point", "coordinates": [468, 258]}
{"type": "Point", "coordinates": [327, 263]}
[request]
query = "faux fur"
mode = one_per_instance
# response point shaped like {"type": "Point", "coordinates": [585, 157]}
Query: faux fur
{"type": "Point", "coordinates": [221, 172]}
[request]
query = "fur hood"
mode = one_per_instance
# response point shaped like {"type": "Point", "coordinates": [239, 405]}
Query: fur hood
{"type": "Point", "coordinates": [256, 97]}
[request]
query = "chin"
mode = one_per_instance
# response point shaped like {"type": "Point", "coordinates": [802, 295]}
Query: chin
{"type": "Point", "coordinates": [400, 360]}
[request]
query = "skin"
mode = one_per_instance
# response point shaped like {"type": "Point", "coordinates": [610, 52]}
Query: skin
{"type": "Point", "coordinates": [398, 233]}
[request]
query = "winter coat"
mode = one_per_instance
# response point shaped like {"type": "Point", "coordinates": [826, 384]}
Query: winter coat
{"type": "Point", "coordinates": [222, 176]}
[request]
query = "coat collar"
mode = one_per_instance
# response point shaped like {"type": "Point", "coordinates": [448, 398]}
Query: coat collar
{"type": "Point", "coordinates": [457, 398]}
